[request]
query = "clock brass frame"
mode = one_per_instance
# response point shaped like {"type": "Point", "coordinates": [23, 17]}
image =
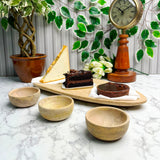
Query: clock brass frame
{"type": "Point", "coordinates": [139, 12]}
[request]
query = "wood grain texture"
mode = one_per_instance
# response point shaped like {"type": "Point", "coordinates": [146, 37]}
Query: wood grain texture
{"type": "Point", "coordinates": [49, 40]}
{"type": "Point", "coordinates": [83, 94]}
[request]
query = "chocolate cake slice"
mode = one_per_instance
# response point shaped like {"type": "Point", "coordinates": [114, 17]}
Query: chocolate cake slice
{"type": "Point", "coordinates": [77, 78]}
{"type": "Point", "coordinates": [113, 89]}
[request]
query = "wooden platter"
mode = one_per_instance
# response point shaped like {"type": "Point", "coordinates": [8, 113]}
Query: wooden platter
{"type": "Point", "coordinates": [83, 94]}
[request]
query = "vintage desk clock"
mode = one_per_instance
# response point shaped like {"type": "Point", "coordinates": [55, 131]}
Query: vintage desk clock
{"type": "Point", "coordinates": [124, 14]}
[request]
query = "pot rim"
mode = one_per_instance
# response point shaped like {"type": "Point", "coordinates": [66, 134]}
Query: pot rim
{"type": "Point", "coordinates": [38, 56]}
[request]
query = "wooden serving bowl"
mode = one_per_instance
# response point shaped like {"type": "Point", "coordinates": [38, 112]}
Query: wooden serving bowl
{"type": "Point", "coordinates": [24, 97]}
{"type": "Point", "coordinates": [107, 123]}
{"type": "Point", "coordinates": [56, 108]}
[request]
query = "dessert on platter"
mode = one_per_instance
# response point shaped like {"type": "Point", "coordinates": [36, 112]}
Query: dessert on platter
{"type": "Point", "coordinates": [58, 67]}
{"type": "Point", "coordinates": [113, 89]}
{"type": "Point", "coordinates": [76, 78]}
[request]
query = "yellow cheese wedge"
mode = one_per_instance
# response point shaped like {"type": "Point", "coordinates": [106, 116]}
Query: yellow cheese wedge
{"type": "Point", "coordinates": [58, 67]}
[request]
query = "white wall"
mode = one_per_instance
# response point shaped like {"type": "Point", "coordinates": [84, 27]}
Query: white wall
{"type": "Point", "coordinates": [49, 40]}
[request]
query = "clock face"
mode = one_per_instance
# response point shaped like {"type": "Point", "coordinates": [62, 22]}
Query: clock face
{"type": "Point", "coordinates": [123, 12]}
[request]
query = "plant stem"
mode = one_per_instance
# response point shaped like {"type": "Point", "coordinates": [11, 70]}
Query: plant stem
{"type": "Point", "coordinates": [139, 71]}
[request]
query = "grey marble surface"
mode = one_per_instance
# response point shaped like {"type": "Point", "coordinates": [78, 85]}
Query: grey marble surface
{"type": "Point", "coordinates": [25, 135]}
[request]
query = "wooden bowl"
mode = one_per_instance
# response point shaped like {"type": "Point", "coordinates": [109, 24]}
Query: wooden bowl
{"type": "Point", "coordinates": [24, 97]}
{"type": "Point", "coordinates": [56, 108]}
{"type": "Point", "coordinates": [107, 123]}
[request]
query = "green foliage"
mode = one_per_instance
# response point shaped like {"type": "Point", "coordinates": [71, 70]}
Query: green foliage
{"type": "Point", "coordinates": [158, 16]}
{"type": "Point", "coordinates": [150, 52]}
{"type": "Point", "coordinates": [84, 55]}
{"type": "Point", "coordinates": [94, 11]}
{"type": "Point", "coordinates": [90, 28]}
{"type": "Point", "coordinates": [65, 12]}
{"type": "Point", "coordinates": [50, 2]}
{"type": "Point", "coordinates": [107, 43]}
{"type": "Point", "coordinates": [93, 1]}
{"type": "Point", "coordinates": [158, 5]}
{"type": "Point", "coordinates": [82, 19]}
{"type": "Point", "coordinates": [51, 16]}
{"type": "Point", "coordinates": [95, 45]}
{"type": "Point", "coordinates": [82, 27]}
{"type": "Point", "coordinates": [76, 45]}
{"type": "Point", "coordinates": [156, 34]}
{"type": "Point", "coordinates": [69, 23]}
{"type": "Point", "coordinates": [84, 45]}
{"type": "Point", "coordinates": [149, 43]}
{"type": "Point", "coordinates": [78, 5]}
{"type": "Point", "coordinates": [4, 23]}
{"type": "Point", "coordinates": [95, 21]}
{"type": "Point", "coordinates": [96, 56]}
{"type": "Point", "coordinates": [79, 33]}
{"type": "Point", "coordinates": [132, 31]}
{"type": "Point", "coordinates": [99, 35]}
{"type": "Point", "coordinates": [102, 2]}
{"type": "Point", "coordinates": [139, 55]}
{"type": "Point", "coordinates": [59, 22]}
{"type": "Point", "coordinates": [143, 2]}
{"type": "Point", "coordinates": [145, 34]}
{"type": "Point", "coordinates": [155, 25]}
{"type": "Point", "coordinates": [101, 51]}
{"type": "Point", "coordinates": [105, 10]}
{"type": "Point", "coordinates": [113, 35]}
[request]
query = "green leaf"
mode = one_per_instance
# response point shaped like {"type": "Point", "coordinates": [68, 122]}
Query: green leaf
{"type": "Point", "coordinates": [156, 34]}
{"type": "Point", "coordinates": [15, 2]}
{"type": "Point", "coordinates": [69, 23]}
{"type": "Point", "coordinates": [82, 27]}
{"type": "Point", "coordinates": [76, 45]}
{"type": "Point", "coordinates": [90, 28]}
{"type": "Point", "coordinates": [44, 3]}
{"type": "Point", "coordinates": [101, 51]}
{"type": "Point", "coordinates": [94, 11]}
{"type": "Point", "coordinates": [50, 2]}
{"type": "Point", "coordinates": [65, 12]}
{"type": "Point", "coordinates": [143, 1]}
{"type": "Point", "coordinates": [105, 10]}
{"type": "Point", "coordinates": [79, 33]}
{"type": "Point", "coordinates": [107, 43]}
{"type": "Point", "coordinates": [113, 35]}
{"type": "Point", "coordinates": [95, 20]}
{"type": "Point", "coordinates": [84, 55]}
{"type": "Point", "coordinates": [95, 45]}
{"type": "Point", "coordinates": [158, 16]}
{"type": "Point", "coordinates": [59, 21]}
{"type": "Point", "coordinates": [99, 35]}
{"type": "Point", "coordinates": [79, 5]}
{"type": "Point", "coordinates": [133, 30]}
{"type": "Point", "coordinates": [154, 25]}
{"type": "Point", "coordinates": [139, 55]}
{"type": "Point", "coordinates": [51, 16]}
{"type": "Point", "coordinates": [11, 21]}
{"type": "Point", "coordinates": [150, 52]}
{"type": "Point", "coordinates": [145, 34]}
{"type": "Point", "coordinates": [82, 19]}
{"type": "Point", "coordinates": [149, 43]}
{"type": "Point", "coordinates": [158, 5]}
{"type": "Point", "coordinates": [93, 1]}
{"type": "Point", "coordinates": [128, 32]}
{"type": "Point", "coordinates": [4, 23]}
{"type": "Point", "coordinates": [101, 2]}
{"type": "Point", "coordinates": [96, 56]}
{"type": "Point", "coordinates": [84, 45]}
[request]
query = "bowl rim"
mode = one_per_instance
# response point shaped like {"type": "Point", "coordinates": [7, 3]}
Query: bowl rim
{"type": "Point", "coordinates": [108, 107]}
{"type": "Point", "coordinates": [52, 109]}
{"type": "Point", "coordinates": [13, 90]}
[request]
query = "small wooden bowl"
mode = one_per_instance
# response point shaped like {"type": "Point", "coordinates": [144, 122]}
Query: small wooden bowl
{"type": "Point", "coordinates": [107, 123]}
{"type": "Point", "coordinates": [56, 108]}
{"type": "Point", "coordinates": [24, 97]}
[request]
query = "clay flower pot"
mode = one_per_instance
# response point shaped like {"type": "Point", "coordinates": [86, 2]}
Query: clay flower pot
{"type": "Point", "coordinates": [28, 67]}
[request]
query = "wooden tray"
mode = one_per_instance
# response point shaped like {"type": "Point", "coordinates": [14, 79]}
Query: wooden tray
{"type": "Point", "coordinates": [83, 94]}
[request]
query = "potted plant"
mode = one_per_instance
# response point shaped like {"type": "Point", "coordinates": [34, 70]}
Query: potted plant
{"type": "Point", "coordinates": [19, 15]}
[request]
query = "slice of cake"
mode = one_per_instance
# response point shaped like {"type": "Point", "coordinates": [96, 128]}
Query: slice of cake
{"type": "Point", "coordinates": [58, 67]}
{"type": "Point", "coordinates": [113, 89]}
{"type": "Point", "coordinates": [78, 78]}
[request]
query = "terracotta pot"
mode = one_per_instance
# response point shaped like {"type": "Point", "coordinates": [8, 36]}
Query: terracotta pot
{"type": "Point", "coordinates": [28, 67]}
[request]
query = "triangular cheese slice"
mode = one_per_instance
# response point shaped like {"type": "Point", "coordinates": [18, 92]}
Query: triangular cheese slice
{"type": "Point", "coordinates": [58, 67]}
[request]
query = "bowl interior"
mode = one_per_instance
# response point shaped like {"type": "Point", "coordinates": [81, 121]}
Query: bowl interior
{"type": "Point", "coordinates": [55, 102]}
{"type": "Point", "coordinates": [106, 117]}
{"type": "Point", "coordinates": [23, 92]}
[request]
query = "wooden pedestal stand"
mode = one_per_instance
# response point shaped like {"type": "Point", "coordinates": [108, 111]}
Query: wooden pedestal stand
{"type": "Point", "coordinates": [122, 63]}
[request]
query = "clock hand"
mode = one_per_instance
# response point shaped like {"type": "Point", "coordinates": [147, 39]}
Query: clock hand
{"type": "Point", "coordinates": [127, 8]}
{"type": "Point", "coordinates": [120, 10]}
